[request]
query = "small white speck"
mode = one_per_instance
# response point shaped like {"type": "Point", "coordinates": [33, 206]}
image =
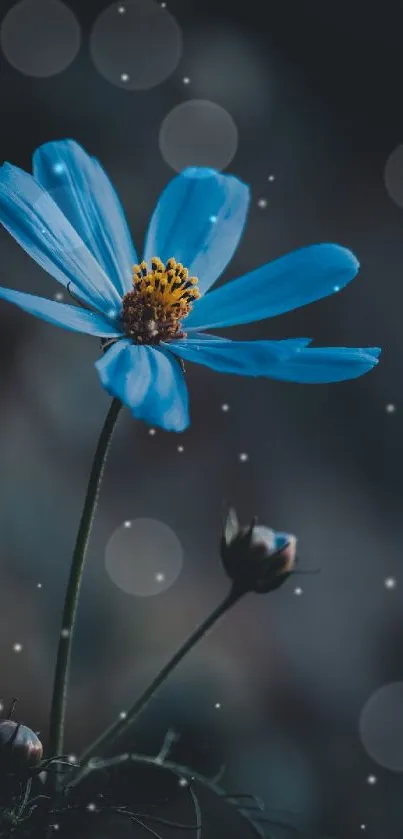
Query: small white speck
{"type": "Point", "coordinates": [270, 178]}
{"type": "Point", "coordinates": [91, 807]}
{"type": "Point", "coordinates": [262, 203]}
{"type": "Point", "coordinates": [43, 230]}
{"type": "Point", "coordinates": [390, 408]}
{"type": "Point", "coordinates": [1, 707]}
{"type": "Point", "coordinates": [298, 591]}
{"type": "Point", "coordinates": [213, 219]}
{"type": "Point", "coordinates": [122, 715]}
{"type": "Point", "coordinates": [225, 407]}
{"type": "Point", "coordinates": [65, 633]}
{"type": "Point", "coordinates": [243, 457]}
{"type": "Point", "coordinates": [336, 288]}
{"type": "Point", "coordinates": [58, 168]}
{"type": "Point", "coordinates": [159, 577]}
{"type": "Point", "coordinates": [121, 10]}
{"type": "Point", "coordinates": [363, 826]}
{"type": "Point", "coordinates": [39, 585]}
{"type": "Point", "coordinates": [183, 782]}
{"type": "Point", "coordinates": [58, 296]}
{"type": "Point", "coordinates": [217, 705]}
{"type": "Point", "coordinates": [372, 779]}
{"type": "Point", "coordinates": [127, 524]}
{"type": "Point", "coordinates": [152, 432]}
{"type": "Point", "coordinates": [390, 582]}
{"type": "Point", "coordinates": [55, 826]}
{"type": "Point", "coordinates": [163, 5]}
{"type": "Point", "coordinates": [186, 80]}
{"type": "Point", "coordinates": [72, 758]}
{"type": "Point", "coordinates": [17, 647]}
{"type": "Point", "coordinates": [124, 77]}
{"type": "Point", "coordinates": [181, 449]}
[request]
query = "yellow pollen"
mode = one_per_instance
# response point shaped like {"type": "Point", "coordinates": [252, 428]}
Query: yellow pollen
{"type": "Point", "coordinates": [162, 296]}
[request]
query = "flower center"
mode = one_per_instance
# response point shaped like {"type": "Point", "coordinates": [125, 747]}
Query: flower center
{"type": "Point", "coordinates": [160, 299]}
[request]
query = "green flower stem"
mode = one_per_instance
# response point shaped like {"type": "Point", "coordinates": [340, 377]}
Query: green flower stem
{"type": "Point", "coordinates": [120, 726]}
{"type": "Point", "coordinates": [60, 686]}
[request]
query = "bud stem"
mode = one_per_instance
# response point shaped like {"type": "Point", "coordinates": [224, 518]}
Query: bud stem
{"type": "Point", "coordinates": [60, 686]}
{"type": "Point", "coordinates": [120, 726]}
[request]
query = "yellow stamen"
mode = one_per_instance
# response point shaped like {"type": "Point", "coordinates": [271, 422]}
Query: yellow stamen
{"type": "Point", "coordinates": [160, 300]}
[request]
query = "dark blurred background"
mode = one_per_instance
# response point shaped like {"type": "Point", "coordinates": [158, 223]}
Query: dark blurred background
{"type": "Point", "coordinates": [315, 97]}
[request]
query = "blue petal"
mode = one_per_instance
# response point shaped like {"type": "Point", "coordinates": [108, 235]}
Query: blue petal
{"type": "Point", "coordinates": [287, 283]}
{"type": "Point", "coordinates": [204, 336]}
{"type": "Point", "coordinates": [247, 358]}
{"type": "Point", "coordinates": [327, 364]}
{"type": "Point", "coordinates": [281, 539]}
{"type": "Point", "coordinates": [149, 381]}
{"type": "Point", "coordinates": [84, 193]}
{"type": "Point", "coordinates": [199, 220]}
{"type": "Point", "coordinates": [35, 221]}
{"type": "Point", "coordinates": [61, 314]}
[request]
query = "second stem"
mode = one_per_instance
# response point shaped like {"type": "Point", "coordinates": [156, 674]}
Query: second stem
{"type": "Point", "coordinates": [121, 725]}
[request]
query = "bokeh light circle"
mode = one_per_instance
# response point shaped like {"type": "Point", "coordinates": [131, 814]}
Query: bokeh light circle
{"type": "Point", "coordinates": [381, 726]}
{"type": "Point", "coordinates": [40, 37]}
{"type": "Point", "coordinates": [137, 49]}
{"type": "Point", "coordinates": [393, 175]}
{"type": "Point", "coordinates": [198, 133]}
{"type": "Point", "coordinates": [143, 557]}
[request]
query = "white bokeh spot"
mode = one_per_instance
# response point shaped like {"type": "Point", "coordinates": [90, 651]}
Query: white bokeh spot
{"type": "Point", "coordinates": [145, 558]}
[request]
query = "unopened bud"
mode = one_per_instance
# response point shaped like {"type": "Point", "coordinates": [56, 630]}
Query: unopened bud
{"type": "Point", "coordinates": [256, 558]}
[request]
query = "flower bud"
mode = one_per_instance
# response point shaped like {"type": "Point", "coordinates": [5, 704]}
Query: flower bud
{"type": "Point", "coordinates": [256, 558]}
{"type": "Point", "coordinates": [20, 748]}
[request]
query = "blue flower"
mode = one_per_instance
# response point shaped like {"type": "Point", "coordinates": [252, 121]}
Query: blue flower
{"type": "Point", "coordinates": [68, 217]}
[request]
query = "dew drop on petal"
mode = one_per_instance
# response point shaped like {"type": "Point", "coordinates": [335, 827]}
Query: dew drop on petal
{"type": "Point", "coordinates": [145, 558]}
{"type": "Point", "coordinates": [381, 726]}
{"type": "Point", "coordinates": [40, 37]}
{"type": "Point", "coordinates": [198, 133]}
{"type": "Point", "coordinates": [137, 49]}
